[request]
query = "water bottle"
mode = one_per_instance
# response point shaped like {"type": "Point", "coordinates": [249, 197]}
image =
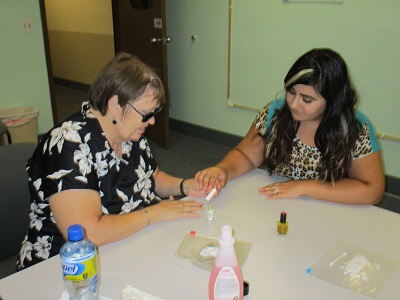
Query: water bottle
{"type": "Point", "coordinates": [79, 265]}
{"type": "Point", "coordinates": [226, 279]}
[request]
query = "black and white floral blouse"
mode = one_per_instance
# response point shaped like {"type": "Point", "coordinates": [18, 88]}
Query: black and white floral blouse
{"type": "Point", "coordinates": [77, 155]}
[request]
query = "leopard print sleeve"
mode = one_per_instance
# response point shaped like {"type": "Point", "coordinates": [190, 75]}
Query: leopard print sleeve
{"type": "Point", "coordinates": [261, 119]}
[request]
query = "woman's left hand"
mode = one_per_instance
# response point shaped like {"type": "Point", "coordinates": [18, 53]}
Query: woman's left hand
{"type": "Point", "coordinates": [279, 190]}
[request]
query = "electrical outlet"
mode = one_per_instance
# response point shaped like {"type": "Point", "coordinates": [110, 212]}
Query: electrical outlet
{"type": "Point", "coordinates": [27, 25]}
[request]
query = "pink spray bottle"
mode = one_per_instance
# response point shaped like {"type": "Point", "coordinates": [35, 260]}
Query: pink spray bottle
{"type": "Point", "coordinates": [226, 279]}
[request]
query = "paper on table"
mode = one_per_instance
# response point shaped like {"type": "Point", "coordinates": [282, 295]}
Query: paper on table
{"type": "Point", "coordinates": [201, 250]}
{"type": "Point", "coordinates": [132, 293]}
{"type": "Point", "coordinates": [65, 296]}
{"type": "Point", "coordinates": [128, 293]}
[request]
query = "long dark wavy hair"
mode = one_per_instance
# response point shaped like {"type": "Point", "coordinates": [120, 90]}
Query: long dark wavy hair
{"type": "Point", "coordinates": [336, 135]}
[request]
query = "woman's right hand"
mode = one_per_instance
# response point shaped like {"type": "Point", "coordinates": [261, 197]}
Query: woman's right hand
{"type": "Point", "coordinates": [213, 177]}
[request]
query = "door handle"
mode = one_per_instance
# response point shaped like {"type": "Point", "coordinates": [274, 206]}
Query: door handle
{"type": "Point", "coordinates": [159, 40]}
{"type": "Point", "coordinates": [156, 40]}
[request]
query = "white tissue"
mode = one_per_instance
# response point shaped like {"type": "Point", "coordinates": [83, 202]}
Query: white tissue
{"type": "Point", "coordinates": [209, 251]}
{"type": "Point", "coordinates": [132, 293]}
{"type": "Point", "coordinates": [65, 296]}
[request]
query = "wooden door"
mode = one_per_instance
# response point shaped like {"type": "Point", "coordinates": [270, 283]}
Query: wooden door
{"type": "Point", "coordinates": [140, 29]}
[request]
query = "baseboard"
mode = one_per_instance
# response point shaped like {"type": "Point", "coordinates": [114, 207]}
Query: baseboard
{"type": "Point", "coordinates": [392, 183]}
{"type": "Point", "coordinates": [71, 84]}
{"type": "Point", "coordinates": [204, 133]}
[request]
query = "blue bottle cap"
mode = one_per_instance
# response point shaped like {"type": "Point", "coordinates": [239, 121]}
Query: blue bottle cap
{"type": "Point", "coordinates": [75, 232]}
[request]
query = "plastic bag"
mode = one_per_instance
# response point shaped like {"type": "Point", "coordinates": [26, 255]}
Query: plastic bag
{"type": "Point", "coordinates": [202, 250]}
{"type": "Point", "coordinates": [355, 269]}
{"type": "Point", "coordinates": [18, 116]}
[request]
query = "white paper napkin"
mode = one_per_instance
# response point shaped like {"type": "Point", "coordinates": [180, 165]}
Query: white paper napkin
{"type": "Point", "coordinates": [128, 293]}
{"type": "Point", "coordinates": [65, 296]}
{"type": "Point", "coordinates": [132, 293]}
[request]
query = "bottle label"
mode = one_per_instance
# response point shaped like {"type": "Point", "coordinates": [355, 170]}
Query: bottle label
{"type": "Point", "coordinates": [210, 210]}
{"type": "Point", "coordinates": [80, 271]}
{"type": "Point", "coordinates": [227, 284]}
{"type": "Point", "coordinates": [210, 215]}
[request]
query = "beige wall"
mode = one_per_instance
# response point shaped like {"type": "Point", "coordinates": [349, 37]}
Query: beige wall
{"type": "Point", "coordinates": [81, 38]}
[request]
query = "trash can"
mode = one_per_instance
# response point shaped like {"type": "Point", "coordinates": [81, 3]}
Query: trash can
{"type": "Point", "coordinates": [22, 123]}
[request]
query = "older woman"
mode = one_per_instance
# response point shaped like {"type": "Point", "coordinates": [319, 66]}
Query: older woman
{"type": "Point", "coordinates": [97, 168]}
{"type": "Point", "coordinates": [314, 136]}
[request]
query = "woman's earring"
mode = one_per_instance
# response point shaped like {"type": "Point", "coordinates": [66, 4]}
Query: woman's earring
{"type": "Point", "coordinates": [114, 121]}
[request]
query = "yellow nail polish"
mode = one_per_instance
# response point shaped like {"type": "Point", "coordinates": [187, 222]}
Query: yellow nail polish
{"type": "Point", "coordinates": [283, 226]}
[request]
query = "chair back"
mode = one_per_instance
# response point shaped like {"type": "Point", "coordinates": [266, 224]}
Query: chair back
{"type": "Point", "coordinates": [14, 196]}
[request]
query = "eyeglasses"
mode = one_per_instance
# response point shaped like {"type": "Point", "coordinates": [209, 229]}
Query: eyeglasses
{"type": "Point", "coordinates": [148, 116]}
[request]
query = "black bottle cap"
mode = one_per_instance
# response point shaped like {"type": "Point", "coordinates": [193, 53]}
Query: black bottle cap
{"type": "Point", "coordinates": [283, 217]}
{"type": "Point", "coordinates": [246, 287]}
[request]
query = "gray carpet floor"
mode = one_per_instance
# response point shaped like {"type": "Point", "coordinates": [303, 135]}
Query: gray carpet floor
{"type": "Point", "coordinates": [187, 155]}
{"type": "Point", "coordinates": [68, 100]}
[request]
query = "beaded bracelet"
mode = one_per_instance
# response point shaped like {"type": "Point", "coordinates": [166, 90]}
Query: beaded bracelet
{"type": "Point", "coordinates": [181, 187]}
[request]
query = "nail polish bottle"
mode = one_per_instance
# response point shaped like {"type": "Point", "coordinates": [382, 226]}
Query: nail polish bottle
{"type": "Point", "coordinates": [283, 226]}
{"type": "Point", "coordinates": [210, 211]}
